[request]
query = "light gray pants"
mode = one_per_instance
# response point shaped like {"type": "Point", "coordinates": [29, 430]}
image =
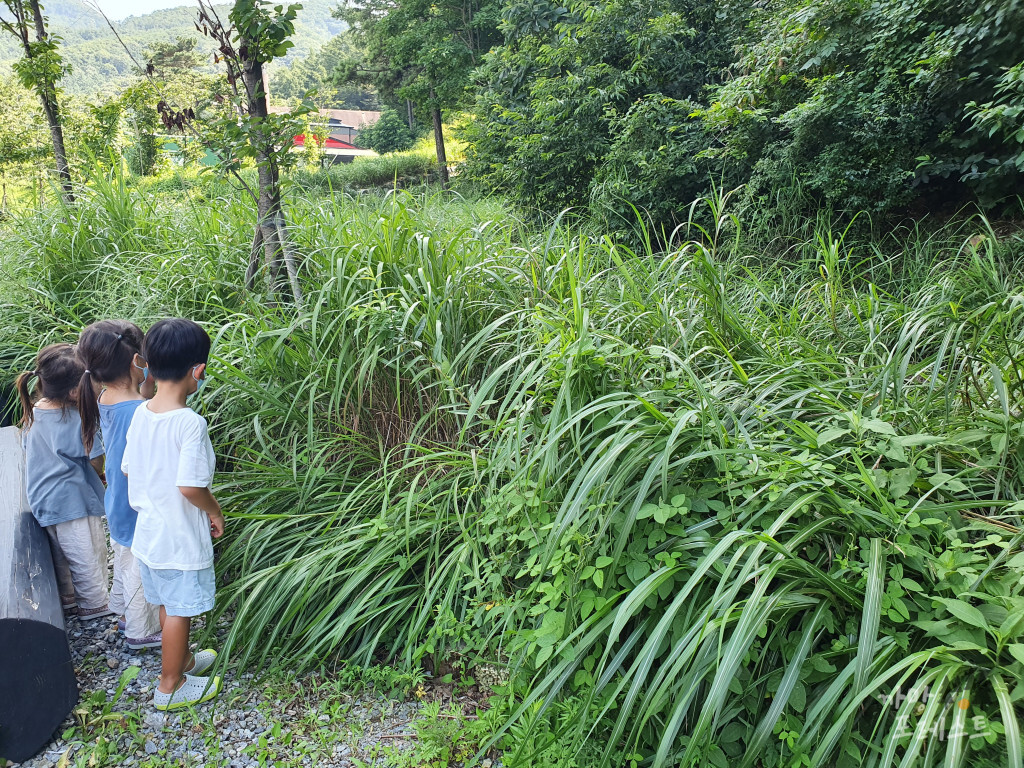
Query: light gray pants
{"type": "Point", "coordinates": [127, 599]}
{"type": "Point", "coordinates": [79, 550]}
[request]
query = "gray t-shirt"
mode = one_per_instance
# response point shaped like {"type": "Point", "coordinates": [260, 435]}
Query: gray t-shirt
{"type": "Point", "coordinates": [60, 483]}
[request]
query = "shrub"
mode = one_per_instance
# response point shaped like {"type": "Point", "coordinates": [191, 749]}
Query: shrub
{"type": "Point", "coordinates": [389, 134]}
{"type": "Point", "coordinates": [403, 168]}
{"type": "Point", "coordinates": [660, 161]}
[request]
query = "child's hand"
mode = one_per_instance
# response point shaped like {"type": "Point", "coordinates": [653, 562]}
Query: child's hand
{"type": "Point", "coordinates": [203, 499]}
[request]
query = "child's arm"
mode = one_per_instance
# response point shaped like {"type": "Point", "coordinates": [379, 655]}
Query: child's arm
{"type": "Point", "coordinates": [97, 464]}
{"type": "Point", "coordinates": [203, 498]}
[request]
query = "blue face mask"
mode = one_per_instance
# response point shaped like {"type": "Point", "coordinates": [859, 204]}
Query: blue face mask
{"type": "Point", "coordinates": [145, 371]}
{"type": "Point", "coordinates": [200, 383]}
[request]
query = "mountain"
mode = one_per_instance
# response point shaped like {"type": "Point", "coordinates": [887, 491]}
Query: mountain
{"type": "Point", "coordinates": [99, 63]}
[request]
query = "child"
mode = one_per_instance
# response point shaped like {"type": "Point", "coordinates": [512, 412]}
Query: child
{"type": "Point", "coordinates": [169, 462]}
{"type": "Point", "coordinates": [107, 349]}
{"type": "Point", "coordinates": [64, 491]}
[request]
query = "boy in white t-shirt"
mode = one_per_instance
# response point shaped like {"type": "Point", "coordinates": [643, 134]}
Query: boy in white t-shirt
{"type": "Point", "coordinates": [169, 462]}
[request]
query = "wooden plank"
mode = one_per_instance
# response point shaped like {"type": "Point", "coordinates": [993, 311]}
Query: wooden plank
{"type": "Point", "coordinates": [37, 676]}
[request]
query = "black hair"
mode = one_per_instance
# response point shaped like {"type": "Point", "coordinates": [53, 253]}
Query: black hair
{"type": "Point", "coordinates": [59, 371]}
{"type": "Point", "coordinates": [173, 346]}
{"type": "Point", "coordinates": [106, 349]}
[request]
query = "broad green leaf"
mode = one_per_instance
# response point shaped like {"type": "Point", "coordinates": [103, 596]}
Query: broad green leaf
{"type": "Point", "coordinates": [965, 612]}
{"type": "Point", "coordinates": [1017, 651]}
{"type": "Point", "coordinates": [878, 426]}
{"type": "Point", "coordinates": [911, 441]}
{"type": "Point", "coordinates": [946, 480]}
{"type": "Point", "coordinates": [663, 513]}
{"type": "Point", "coordinates": [901, 480]}
{"type": "Point", "coordinates": [828, 435]}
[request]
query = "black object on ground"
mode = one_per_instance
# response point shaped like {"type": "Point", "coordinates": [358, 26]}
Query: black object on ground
{"type": "Point", "coordinates": [37, 676]}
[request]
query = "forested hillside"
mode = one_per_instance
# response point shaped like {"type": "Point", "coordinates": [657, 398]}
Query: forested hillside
{"type": "Point", "coordinates": [99, 63]}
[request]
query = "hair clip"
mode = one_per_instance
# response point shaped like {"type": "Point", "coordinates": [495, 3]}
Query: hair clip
{"type": "Point", "coordinates": [118, 336]}
{"type": "Point", "coordinates": [87, 370]}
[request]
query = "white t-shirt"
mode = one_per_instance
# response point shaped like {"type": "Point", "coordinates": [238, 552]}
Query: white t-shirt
{"type": "Point", "coordinates": [164, 451]}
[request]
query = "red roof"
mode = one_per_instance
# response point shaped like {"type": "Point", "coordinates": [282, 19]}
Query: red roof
{"type": "Point", "coordinates": [329, 143]}
{"type": "Point", "coordinates": [357, 118]}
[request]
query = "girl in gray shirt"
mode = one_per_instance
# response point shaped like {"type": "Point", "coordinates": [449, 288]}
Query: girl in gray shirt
{"type": "Point", "coordinates": [63, 480]}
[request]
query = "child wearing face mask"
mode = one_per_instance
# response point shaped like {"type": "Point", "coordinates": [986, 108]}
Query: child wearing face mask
{"type": "Point", "coordinates": [169, 462]}
{"type": "Point", "coordinates": [111, 383]}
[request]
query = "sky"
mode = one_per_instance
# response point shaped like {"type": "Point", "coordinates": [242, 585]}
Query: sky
{"type": "Point", "coordinates": [119, 9]}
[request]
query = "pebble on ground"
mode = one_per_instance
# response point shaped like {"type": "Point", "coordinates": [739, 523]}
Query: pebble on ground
{"type": "Point", "coordinates": [239, 714]}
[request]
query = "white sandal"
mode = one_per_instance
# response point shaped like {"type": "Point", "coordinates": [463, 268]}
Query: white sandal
{"type": "Point", "coordinates": [195, 690]}
{"type": "Point", "coordinates": [202, 661]}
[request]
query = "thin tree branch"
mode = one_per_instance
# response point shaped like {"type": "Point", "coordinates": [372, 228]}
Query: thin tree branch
{"type": "Point", "coordinates": [161, 93]}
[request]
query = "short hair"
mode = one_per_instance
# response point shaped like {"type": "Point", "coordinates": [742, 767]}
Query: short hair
{"type": "Point", "coordinates": [173, 346]}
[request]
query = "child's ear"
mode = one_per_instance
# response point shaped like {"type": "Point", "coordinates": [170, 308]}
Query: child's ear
{"type": "Point", "coordinates": [199, 370]}
{"type": "Point", "coordinates": [139, 361]}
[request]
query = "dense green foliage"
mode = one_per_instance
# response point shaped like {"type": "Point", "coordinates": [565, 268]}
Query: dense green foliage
{"type": "Point", "coordinates": [852, 105]}
{"type": "Point", "coordinates": [872, 104]}
{"type": "Point", "coordinates": [22, 140]}
{"type": "Point", "coordinates": [710, 510]}
{"type": "Point", "coordinates": [557, 93]}
{"type": "Point", "coordinates": [736, 489]}
{"type": "Point", "coordinates": [389, 134]}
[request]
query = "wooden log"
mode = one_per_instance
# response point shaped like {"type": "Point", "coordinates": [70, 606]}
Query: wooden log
{"type": "Point", "coordinates": [37, 676]}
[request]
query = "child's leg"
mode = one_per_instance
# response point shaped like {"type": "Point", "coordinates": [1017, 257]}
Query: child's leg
{"type": "Point", "coordinates": [174, 649]}
{"type": "Point", "coordinates": [65, 584]}
{"type": "Point", "coordinates": [118, 603]}
{"type": "Point", "coordinates": [181, 595]}
{"type": "Point", "coordinates": [85, 548]}
{"type": "Point", "coordinates": [142, 619]}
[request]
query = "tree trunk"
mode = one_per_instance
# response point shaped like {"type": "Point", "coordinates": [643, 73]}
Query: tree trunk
{"type": "Point", "coordinates": [268, 206]}
{"type": "Point", "coordinates": [290, 259]}
{"type": "Point", "coordinates": [269, 213]}
{"type": "Point", "coordinates": [408, 109]}
{"type": "Point", "coordinates": [442, 158]}
{"type": "Point", "coordinates": [48, 97]}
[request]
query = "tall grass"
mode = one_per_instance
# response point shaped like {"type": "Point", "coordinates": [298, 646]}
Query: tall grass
{"type": "Point", "coordinates": [709, 507]}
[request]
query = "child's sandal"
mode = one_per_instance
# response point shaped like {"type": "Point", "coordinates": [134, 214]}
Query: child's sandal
{"type": "Point", "coordinates": [202, 661]}
{"type": "Point", "coordinates": [195, 690]}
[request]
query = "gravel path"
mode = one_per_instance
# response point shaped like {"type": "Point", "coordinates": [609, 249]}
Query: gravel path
{"type": "Point", "coordinates": [300, 721]}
